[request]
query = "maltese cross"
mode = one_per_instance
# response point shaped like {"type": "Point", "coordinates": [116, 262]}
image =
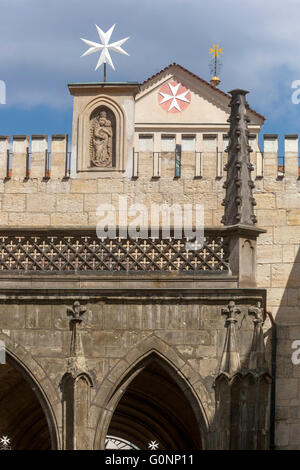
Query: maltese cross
{"type": "Point", "coordinates": [175, 95]}
{"type": "Point", "coordinates": [104, 47]}
{"type": "Point", "coordinates": [4, 440]}
{"type": "Point", "coordinates": [153, 445]}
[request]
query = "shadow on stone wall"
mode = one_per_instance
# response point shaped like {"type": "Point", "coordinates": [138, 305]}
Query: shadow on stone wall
{"type": "Point", "coordinates": [287, 391]}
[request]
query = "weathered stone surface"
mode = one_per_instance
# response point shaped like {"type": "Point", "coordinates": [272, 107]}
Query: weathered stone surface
{"type": "Point", "coordinates": [288, 200]}
{"type": "Point", "coordinates": [293, 217]}
{"type": "Point", "coordinates": [287, 388]}
{"type": "Point", "coordinates": [83, 186]}
{"type": "Point", "coordinates": [28, 220]}
{"type": "Point", "coordinates": [116, 333]}
{"type": "Point", "coordinates": [265, 201]}
{"type": "Point", "coordinates": [92, 201]}
{"type": "Point", "coordinates": [66, 219]}
{"type": "Point", "coordinates": [269, 254]}
{"type": "Point", "coordinates": [267, 217]}
{"type": "Point", "coordinates": [70, 203]}
{"type": "Point", "coordinates": [13, 202]}
{"type": "Point", "coordinates": [264, 275]}
{"type": "Point", "coordinates": [38, 202]}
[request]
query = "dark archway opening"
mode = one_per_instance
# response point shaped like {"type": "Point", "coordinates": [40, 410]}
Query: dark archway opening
{"type": "Point", "coordinates": [22, 418]}
{"type": "Point", "coordinates": [155, 408]}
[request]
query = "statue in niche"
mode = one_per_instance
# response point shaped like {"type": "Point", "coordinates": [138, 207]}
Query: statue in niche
{"type": "Point", "coordinates": [101, 141]}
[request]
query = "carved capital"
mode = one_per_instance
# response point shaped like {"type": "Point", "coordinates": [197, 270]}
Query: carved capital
{"type": "Point", "coordinates": [76, 312]}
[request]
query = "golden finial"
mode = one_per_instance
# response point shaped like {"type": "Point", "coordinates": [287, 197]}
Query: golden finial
{"type": "Point", "coordinates": [215, 64]}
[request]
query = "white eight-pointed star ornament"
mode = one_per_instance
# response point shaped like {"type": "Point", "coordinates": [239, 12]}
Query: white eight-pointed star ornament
{"type": "Point", "coordinates": [4, 440]}
{"type": "Point", "coordinates": [153, 445]}
{"type": "Point", "coordinates": [105, 47]}
{"type": "Point", "coordinates": [174, 97]}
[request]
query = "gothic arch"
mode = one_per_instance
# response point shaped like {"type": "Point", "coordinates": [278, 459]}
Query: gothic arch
{"type": "Point", "coordinates": [148, 355]}
{"type": "Point", "coordinates": [24, 375]}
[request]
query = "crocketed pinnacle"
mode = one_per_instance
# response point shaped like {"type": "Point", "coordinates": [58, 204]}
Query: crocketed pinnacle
{"type": "Point", "coordinates": [239, 199]}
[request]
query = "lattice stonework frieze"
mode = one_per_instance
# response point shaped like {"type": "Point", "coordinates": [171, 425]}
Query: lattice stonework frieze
{"type": "Point", "coordinates": [84, 252]}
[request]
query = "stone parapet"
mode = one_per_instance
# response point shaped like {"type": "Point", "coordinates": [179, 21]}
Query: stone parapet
{"type": "Point", "coordinates": [40, 156]}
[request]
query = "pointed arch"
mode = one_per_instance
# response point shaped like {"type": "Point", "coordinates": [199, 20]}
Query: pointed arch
{"type": "Point", "coordinates": [22, 369]}
{"type": "Point", "coordinates": [152, 352]}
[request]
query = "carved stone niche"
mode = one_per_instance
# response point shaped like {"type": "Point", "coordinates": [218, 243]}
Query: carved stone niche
{"type": "Point", "coordinates": [101, 140]}
{"type": "Point", "coordinates": [106, 147]}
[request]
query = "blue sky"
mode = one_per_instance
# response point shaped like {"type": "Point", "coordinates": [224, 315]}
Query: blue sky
{"type": "Point", "coordinates": [40, 52]}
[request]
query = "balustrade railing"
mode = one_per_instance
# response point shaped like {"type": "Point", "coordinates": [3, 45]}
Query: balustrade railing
{"type": "Point", "coordinates": [77, 251]}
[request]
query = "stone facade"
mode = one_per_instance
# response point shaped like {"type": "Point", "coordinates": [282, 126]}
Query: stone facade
{"type": "Point", "coordinates": [174, 320]}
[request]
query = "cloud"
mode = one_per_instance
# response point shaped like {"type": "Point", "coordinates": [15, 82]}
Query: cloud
{"type": "Point", "coordinates": [40, 45]}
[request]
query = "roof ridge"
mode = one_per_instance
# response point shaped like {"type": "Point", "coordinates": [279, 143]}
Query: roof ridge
{"type": "Point", "coordinates": [174, 64]}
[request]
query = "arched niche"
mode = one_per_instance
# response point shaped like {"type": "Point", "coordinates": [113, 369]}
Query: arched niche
{"type": "Point", "coordinates": [249, 261]}
{"type": "Point", "coordinates": [153, 402]}
{"type": "Point", "coordinates": [26, 415]}
{"type": "Point", "coordinates": [102, 146]}
{"type": "Point", "coordinates": [112, 124]}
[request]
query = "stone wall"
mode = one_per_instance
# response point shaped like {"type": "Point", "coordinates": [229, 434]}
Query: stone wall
{"type": "Point", "coordinates": [55, 200]}
{"type": "Point", "coordinates": [59, 201]}
{"type": "Point", "coordinates": [118, 331]}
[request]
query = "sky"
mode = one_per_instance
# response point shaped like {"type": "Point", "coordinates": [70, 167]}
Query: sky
{"type": "Point", "coordinates": [40, 51]}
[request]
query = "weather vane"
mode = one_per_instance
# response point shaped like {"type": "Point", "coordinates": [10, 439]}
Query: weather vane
{"type": "Point", "coordinates": [104, 48]}
{"type": "Point", "coordinates": [215, 63]}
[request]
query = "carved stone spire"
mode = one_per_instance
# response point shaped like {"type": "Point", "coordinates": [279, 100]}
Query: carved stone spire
{"type": "Point", "coordinates": [76, 312]}
{"type": "Point", "coordinates": [75, 385]}
{"type": "Point", "coordinates": [230, 362]}
{"type": "Point", "coordinates": [239, 199]}
{"type": "Point", "coordinates": [76, 360]}
{"type": "Point", "coordinates": [257, 360]}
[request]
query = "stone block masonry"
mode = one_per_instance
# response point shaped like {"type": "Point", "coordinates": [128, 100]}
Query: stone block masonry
{"type": "Point", "coordinates": [60, 201]}
{"type": "Point", "coordinates": [32, 198]}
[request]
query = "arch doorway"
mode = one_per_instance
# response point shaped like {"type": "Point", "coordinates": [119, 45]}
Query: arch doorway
{"type": "Point", "coordinates": [156, 408]}
{"type": "Point", "coordinates": [22, 418]}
